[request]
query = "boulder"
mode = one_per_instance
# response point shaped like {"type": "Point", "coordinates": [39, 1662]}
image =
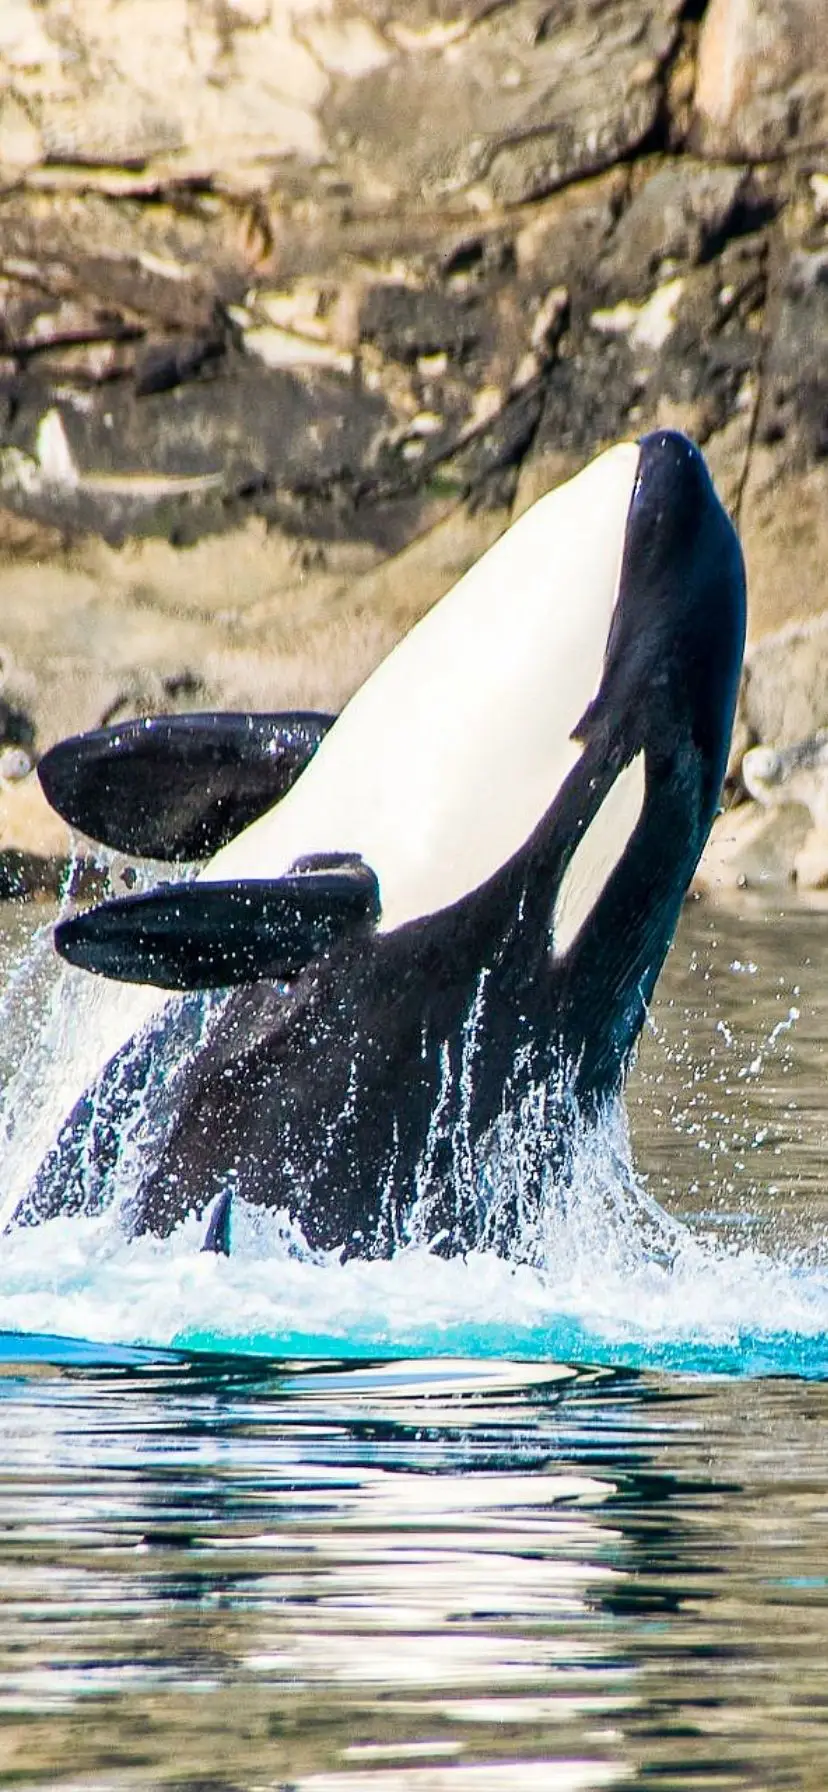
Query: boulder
{"type": "Point", "coordinates": [762, 79]}
{"type": "Point", "coordinates": [751, 848]}
{"type": "Point", "coordinates": [518, 99]}
{"type": "Point", "coordinates": [784, 695]}
{"type": "Point", "coordinates": [784, 508]}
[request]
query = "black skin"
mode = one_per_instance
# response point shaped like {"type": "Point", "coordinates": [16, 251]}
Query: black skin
{"type": "Point", "coordinates": [209, 935]}
{"type": "Point", "coordinates": [318, 1095]}
{"type": "Point", "coordinates": [178, 787]}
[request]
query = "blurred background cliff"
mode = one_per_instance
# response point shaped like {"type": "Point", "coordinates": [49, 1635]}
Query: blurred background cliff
{"type": "Point", "coordinates": [302, 300]}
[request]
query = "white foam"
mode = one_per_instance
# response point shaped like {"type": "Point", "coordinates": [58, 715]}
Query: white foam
{"type": "Point", "coordinates": [606, 1275]}
{"type": "Point", "coordinates": [619, 1280]}
{"type": "Point", "coordinates": [59, 1027]}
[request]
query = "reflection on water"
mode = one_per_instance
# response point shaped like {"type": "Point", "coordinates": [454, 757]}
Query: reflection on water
{"type": "Point", "coordinates": [730, 1104]}
{"type": "Point", "coordinates": [314, 1578]}
{"type": "Point", "coordinates": [453, 1577]}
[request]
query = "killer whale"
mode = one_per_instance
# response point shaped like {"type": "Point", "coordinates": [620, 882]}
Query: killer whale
{"type": "Point", "coordinates": [464, 885]}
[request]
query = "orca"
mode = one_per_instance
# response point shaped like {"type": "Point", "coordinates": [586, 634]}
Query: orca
{"type": "Point", "coordinates": [461, 888]}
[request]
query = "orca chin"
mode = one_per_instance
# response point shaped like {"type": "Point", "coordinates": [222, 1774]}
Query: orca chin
{"type": "Point", "coordinates": [457, 893]}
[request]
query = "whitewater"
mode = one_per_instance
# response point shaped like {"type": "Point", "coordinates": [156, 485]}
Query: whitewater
{"type": "Point", "coordinates": [614, 1277]}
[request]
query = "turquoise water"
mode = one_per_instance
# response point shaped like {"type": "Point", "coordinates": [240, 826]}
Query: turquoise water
{"type": "Point", "coordinates": [435, 1526]}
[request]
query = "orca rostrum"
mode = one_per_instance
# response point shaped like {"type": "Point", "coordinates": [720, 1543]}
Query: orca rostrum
{"type": "Point", "coordinates": [463, 886]}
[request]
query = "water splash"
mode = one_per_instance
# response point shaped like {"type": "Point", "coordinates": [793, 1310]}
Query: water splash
{"type": "Point", "coordinates": [608, 1298]}
{"type": "Point", "coordinates": [605, 1274]}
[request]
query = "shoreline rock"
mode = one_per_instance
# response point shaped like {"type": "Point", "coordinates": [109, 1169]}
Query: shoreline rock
{"type": "Point", "coordinates": [299, 304]}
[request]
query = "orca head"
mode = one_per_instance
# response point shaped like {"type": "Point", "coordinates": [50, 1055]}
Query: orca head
{"type": "Point", "coordinates": [589, 658]}
{"type": "Point", "coordinates": [444, 761]}
{"type": "Point", "coordinates": [637, 809]}
{"type": "Point", "coordinates": [675, 644]}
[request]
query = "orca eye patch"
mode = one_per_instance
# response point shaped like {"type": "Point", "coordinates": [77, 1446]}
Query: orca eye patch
{"type": "Point", "coordinates": [600, 848]}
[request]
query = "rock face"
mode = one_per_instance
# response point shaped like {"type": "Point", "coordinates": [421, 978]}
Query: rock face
{"type": "Point", "coordinates": [762, 84]}
{"type": "Point", "coordinates": [300, 299]}
{"type": "Point", "coordinates": [541, 97]}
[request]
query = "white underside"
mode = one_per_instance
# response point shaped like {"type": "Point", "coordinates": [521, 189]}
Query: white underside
{"type": "Point", "coordinates": [445, 760]}
{"type": "Point", "coordinates": [443, 763]}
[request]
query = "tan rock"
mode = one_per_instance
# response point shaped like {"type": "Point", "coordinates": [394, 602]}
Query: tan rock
{"type": "Point", "coordinates": [345, 45]}
{"type": "Point", "coordinates": [680, 208]}
{"type": "Point", "coordinates": [198, 88]}
{"type": "Point", "coordinates": [283, 348]}
{"type": "Point", "coordinates": [784, 696]}
{"type": "Point", "coordinates": [784, 528]}
{"type": "Point", "coordinates": [21, 145]}
{"type": "Point", "coordinates": [251, 619]}
{"type": "Point", "coordinates": [752, 848]}
{"type": "Point", "coordinates": [25, 41]}
{"type": "Point", "coordinates": [28, 824]}
{"type": "Point", "coordinates": [512, 111]}
{"type": "Point", "coordinates": [774, 776]}
{"type": "Point", "coordinates": [762, 81]}
{"type": "Point", "coordinates": [783, 513]}
{"type": "Point", "coordinates": [727, 450]}
{"type": "Point", "coordinates": [811, 861]}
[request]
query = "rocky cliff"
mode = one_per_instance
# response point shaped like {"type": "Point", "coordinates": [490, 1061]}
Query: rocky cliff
{"type": "Point", "coordinates": [301, 298]}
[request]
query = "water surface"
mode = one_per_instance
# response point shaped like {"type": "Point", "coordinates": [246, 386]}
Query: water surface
{"type": "Point", "coordinates": [434, 1566]}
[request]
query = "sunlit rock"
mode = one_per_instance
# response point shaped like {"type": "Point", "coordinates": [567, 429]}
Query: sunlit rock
{"type": "Point", "coordinates": [762, 83]}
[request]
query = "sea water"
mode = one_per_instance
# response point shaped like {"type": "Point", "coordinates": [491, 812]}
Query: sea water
{"type": "Point", "coordinates": [465, 1526]}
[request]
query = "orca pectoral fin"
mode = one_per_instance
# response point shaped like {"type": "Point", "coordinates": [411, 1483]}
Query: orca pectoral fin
{"type": "Point", "coordinates": [178, 787]}
{"type": "Point", "coordinates": [210, 935]}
